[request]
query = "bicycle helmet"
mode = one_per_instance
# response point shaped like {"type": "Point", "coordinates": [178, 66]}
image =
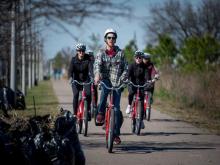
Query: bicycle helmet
{"type": "Point", "coordinates": [80, 46]}
{"type": "Point", "coordinates": [138, 53]}
{"type": "Point", "coordinates": [110, 30]}
{"type": "Point", "coordinates": [89, 52]}
{"type": "Point", "coordinates": [147, 56]}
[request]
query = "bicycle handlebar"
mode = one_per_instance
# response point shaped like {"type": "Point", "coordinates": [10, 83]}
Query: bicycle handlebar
{"type": "Point", "coordinates": [111, 88]}
{"type": "Point", "coordinates": [142, 86]}
{"type": "Point", "coordinates": [82, 83]}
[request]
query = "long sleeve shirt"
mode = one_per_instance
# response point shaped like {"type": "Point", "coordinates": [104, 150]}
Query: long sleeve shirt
{"type": "Point", "coordinates": [137, 73]}
{"type": "Point", "coordinates": [81, 70]}
{"type": "Point", "coordinates": [113, 68]}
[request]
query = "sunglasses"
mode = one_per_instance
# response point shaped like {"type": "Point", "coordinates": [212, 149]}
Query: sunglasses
{"type": "Point", "coordinates": [113, 38]}
{"type": "Point", "coordinates": [81, 50]}
{"type": "Point", "coordinates": [138, 57]}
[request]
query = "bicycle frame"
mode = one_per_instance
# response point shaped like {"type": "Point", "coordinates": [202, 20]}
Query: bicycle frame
{"type": "Point", "coordinates": [82, 114]}
{"type": "Point", "coordinates": [137, 113]}
{"type": "Point", "coordinates": [110, 118]}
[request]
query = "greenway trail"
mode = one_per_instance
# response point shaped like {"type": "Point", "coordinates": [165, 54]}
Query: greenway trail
{"type": "Point", "coordinates": [164, 141]}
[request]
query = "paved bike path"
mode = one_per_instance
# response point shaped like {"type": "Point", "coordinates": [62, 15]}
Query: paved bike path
{"type": "Point", "coordinates": [164, 141]}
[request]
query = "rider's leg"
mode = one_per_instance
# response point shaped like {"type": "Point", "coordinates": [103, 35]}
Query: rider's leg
{"type": "Point", "coordinates": [88, 95]}
{"type": "Point", "coordinates": [102, 104]}
{"type": "Point", "coordinates": [142, 106]}
{"type": "Point", "coordinates": [75, 90]}
{"type": "Point", "coordinates": [103, 97]}
{"type": "Point", "coordinates": [88, 99]}
{"type": "Point", "coordinates": [96, 94]}
{"type": "Point", "coordinates": [131, 91]}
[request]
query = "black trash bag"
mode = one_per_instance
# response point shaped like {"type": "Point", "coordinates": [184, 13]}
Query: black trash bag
{"type": "Point", "coordinates": [65, 126]}
{"type": "Point", "coordinates": [20, 100]}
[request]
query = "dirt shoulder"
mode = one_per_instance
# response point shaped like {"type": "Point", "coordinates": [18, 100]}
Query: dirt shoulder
{"type": "Point", "coordinates": [198, 118]}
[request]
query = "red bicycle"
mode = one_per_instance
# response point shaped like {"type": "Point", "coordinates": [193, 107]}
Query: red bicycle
{"type": "Point", "coordinates": [137, 112]}
{"type": "Point", "coordinates": [82, 110]}
{"type": "Point", "coordinates": [110, 118]}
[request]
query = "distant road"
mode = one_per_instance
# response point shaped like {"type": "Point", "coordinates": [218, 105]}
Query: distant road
{"type": "Point", "coordinates": [164, 141]}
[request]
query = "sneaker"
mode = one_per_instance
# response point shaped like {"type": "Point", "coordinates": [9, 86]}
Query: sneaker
{"type": "Point", "coordinates": [142, 125]}
{"type": "Point", "coordinates": [128, 109]}
{"type": "Point", "coordinates": [100, 119]}
{"type": "Point", "coordinates": [117, 140]}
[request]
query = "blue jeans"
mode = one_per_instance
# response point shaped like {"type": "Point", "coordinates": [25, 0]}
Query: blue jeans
{"type": "Point", "coordinates": [116, 102]}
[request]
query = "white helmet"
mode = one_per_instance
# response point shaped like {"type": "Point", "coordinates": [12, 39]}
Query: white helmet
{"type": "Point", "coordinates": [110, 30]}
{"type": "Point", "coordinates": [90, 52]}
{"type": "Point", "coordinates": [147, 56]}
{"type": "Point", "coordinates": [81, 46]}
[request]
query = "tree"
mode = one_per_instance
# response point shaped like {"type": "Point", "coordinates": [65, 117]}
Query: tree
{"type": "Point", "coordinates": [95, 44]}
{"type": "Point", "coordinates": [164, 52]}
{"type": "Point", "coordinates": [31, 15]}
{"type": "Point", "coordinates": [182, 20]}
{"type": "Point", "coordinates": [199, 53]}
{"type": "Point", "coordinates": [130, 50]}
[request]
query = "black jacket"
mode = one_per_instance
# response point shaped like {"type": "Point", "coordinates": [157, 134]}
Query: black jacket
{"type": "Point", "coordinates": [81, 70]}
{"type": "Point", "coordinates": [137, 73]}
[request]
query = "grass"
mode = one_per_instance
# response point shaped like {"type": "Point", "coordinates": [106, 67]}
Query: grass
{"type": "Point", "coordinates": [46, 101]}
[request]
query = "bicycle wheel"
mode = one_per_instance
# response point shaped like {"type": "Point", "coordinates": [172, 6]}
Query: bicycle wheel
{"type": "Point", "coordinates": [111, 130]}
{"type": "Point", "coordinates": [148, 113]}
{"type": "Point", "coordinates": [85, 119]}
{"type": "Point", "coordinates": [139, 115]}
{"type": "Point", "coordinates": [79, 124]}
{"type": "Point", "coordinates": [133, 125]}
{"type": "Point", "coordinates": [133, 120]}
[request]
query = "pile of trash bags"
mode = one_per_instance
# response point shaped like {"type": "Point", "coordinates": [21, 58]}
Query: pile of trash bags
{"type": "Point", "coordinates": [40, 140]}
{"type": "Point", "coordinates": [10, 99]}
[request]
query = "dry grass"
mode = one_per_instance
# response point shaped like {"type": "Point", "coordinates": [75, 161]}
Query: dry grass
{"type": "Point", "coordinates": [195, 97]}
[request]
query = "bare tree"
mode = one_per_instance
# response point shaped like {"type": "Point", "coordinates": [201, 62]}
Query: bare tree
{"type": "Point", "coordinates": [182, 19]}
{"type": "Point", "coordinates": [50, 12]}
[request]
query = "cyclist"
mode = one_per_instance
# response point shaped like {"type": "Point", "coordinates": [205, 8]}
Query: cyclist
{"type": "Point", "coordinates": [92, 57]}
{"type": "Point", "coordinates": [80, 69]}
{"type": "Point", "coordinates": [137, 74]}
{"type": "Point", "coordinates": [110, 67]}
{"type": "Point", "coordinates": [152, 73]}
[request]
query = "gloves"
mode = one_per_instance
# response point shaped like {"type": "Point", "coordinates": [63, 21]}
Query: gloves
{"type": "Point", "coordinates": [70, 80]}
{"type": "Point", "coordinates": [156, 77]}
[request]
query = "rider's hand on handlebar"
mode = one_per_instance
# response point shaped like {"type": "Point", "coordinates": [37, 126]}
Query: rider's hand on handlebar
{"type": "Point", "coordinates": [97, 79]}
{"type": "Point", "coordinates": [156, 77]}
{"type": "Point", "coordinates": [70, 80]}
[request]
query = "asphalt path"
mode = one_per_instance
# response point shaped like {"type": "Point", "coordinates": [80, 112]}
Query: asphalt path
{"type": "Point", "coordinates": [164, 141]}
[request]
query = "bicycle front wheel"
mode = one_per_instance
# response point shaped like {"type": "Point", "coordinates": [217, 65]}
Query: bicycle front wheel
{"type": "Point", "coordinates": [79, 126]}
{"type": "Point", "coordinates": [148, 113]}
{"type": "Point", "coordinates": [85, 119]}
{"type": "Point", "coordinates": [139, 117]}
{"type": "Point", "coordinates": [111, 130]}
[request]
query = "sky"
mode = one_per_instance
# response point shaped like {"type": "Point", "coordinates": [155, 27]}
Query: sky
{"type": "Point", "coordinates": [126, 29]}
